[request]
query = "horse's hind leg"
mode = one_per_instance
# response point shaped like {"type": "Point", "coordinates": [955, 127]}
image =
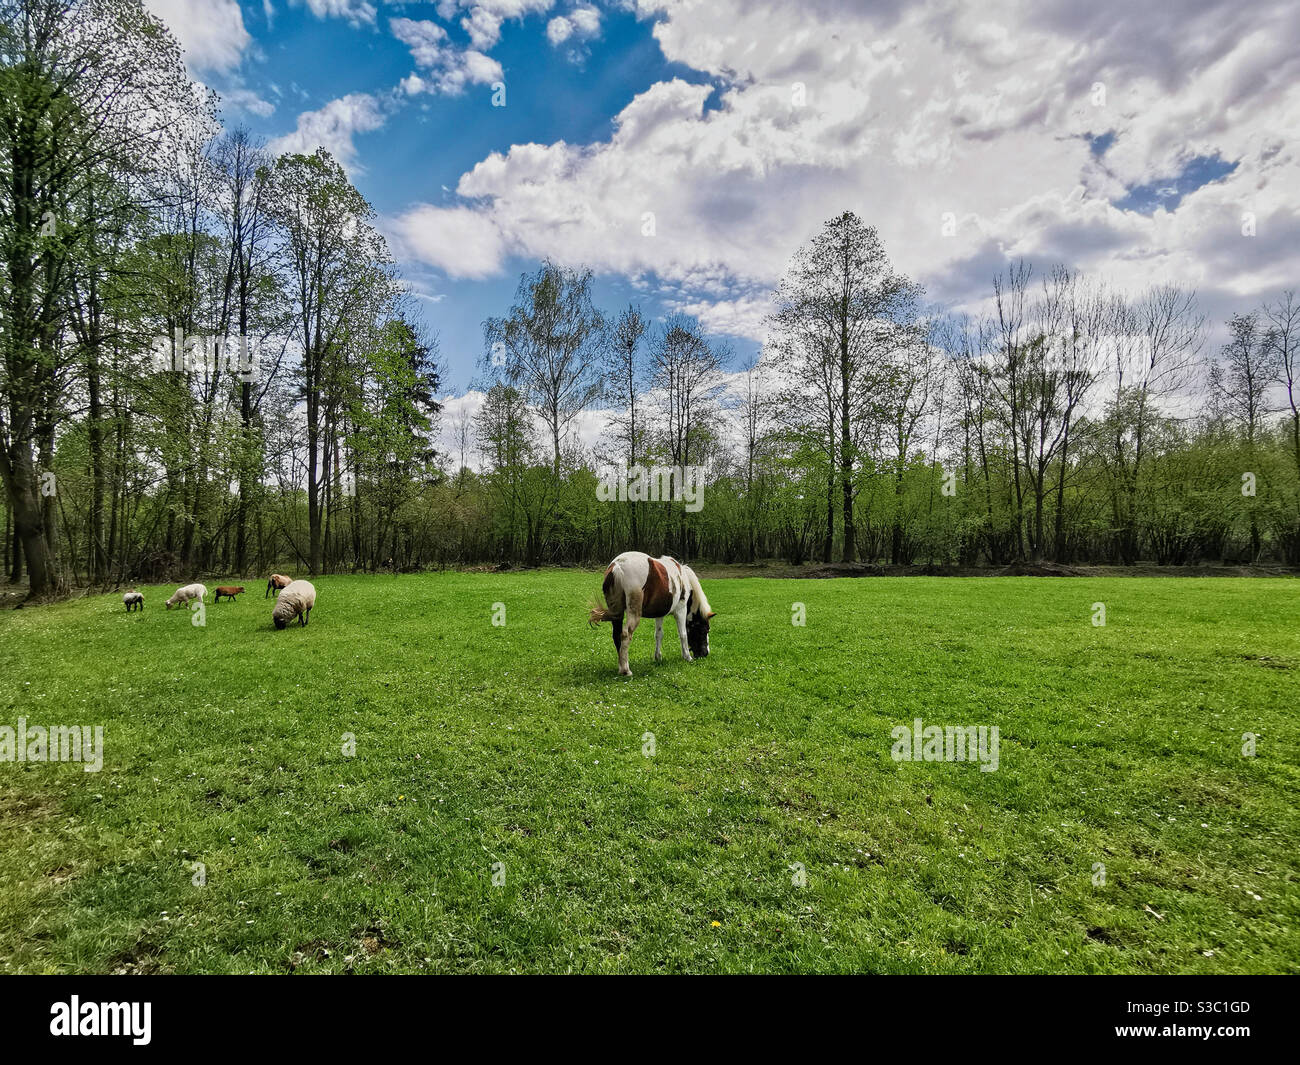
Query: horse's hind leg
{"type": "Point", "coordinates": [630, 622]}
{"type": "Point", "coordinates": [659, 639]}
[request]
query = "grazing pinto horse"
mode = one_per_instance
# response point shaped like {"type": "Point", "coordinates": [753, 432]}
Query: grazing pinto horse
{"type": "Point", "coordinates": [638, 586]}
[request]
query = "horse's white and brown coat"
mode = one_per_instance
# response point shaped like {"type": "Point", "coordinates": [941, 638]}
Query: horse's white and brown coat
{"type": "Point", "coordinates": [637, 586]}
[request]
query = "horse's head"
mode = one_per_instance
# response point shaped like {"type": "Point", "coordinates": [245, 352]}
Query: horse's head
{"type": "Point", "coordinates": [697, 633]}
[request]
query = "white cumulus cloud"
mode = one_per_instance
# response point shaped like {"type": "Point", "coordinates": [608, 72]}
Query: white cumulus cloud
{"type": "Point", "coordinates": [332, 127]}
{"type": "Point", "coordinates": [356, 12]}
{"type": "Point", "coordinates": [211, 32]}
{"type": "Point", "coordinates": [581, 24]}
{"type": "Point", "coordinates": [461, 242]}
{"type": "Point", "coordinates": [961, 132]}
{"type": "Point", "coordinates": [249, 101]}
{"type": "Point", "coordinates": [449, 69]}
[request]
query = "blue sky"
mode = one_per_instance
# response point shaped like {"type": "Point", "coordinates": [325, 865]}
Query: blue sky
{"type": "Point", "coordinates": [1125, 141]}
{"type": "Point", "coordinates": [1168, 193]}
{"type": "Point", "coordinates": [552, 94]}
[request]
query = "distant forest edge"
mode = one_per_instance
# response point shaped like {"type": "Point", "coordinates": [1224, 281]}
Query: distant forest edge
{"type": "Point", "coordinates": [1069, 423]}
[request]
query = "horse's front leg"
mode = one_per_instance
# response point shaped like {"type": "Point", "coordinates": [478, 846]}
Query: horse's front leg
{"type": "Point", "coordinates": [659, 639]}
{"type": "Point", "coordinates": [681, 635]}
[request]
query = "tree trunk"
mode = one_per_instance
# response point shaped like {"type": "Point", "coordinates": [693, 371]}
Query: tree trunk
{"type": "Point", "coordinates": [1059, 538]}
{"type": "Point", "coordinates": [849, 552]}
{"type": "Point", "coordinates": [98, 561]}
{"type": "Point", "coordinates": [29, 524]}
{"type": "Point", "coordinates": [896, 533]}
{"type": "Point", "coordinates": [313, 483]}
{"type": "Point", "coordinates": [828, 547]}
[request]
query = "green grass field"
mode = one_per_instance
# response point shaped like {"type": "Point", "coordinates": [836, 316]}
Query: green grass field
{"type": "Point", "coordinates": [477, 745]}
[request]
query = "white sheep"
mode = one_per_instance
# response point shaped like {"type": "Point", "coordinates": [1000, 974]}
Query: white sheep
{"type": "Point", "coordinates": [133, 600]}
{"type": "Point", "coordinates": [295, 601]}
{"type": "Point", "coordinates": [184, 595]}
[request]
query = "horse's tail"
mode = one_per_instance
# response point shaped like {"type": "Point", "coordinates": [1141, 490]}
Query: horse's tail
{"type": "Point", "coordinates": [599, 614]}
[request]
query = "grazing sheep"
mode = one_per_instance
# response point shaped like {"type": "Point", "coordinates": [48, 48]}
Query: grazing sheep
{"type": "Point", "coordinates": [277, 582]}
{"type": "Point", "coordinates": [295, 601]}
{"type": "Point", "coordinates": [184, 595]}
{"type": "Point", "coordinates": [229, 592]}
{"type": "Point", "coordinates": [134, 600]}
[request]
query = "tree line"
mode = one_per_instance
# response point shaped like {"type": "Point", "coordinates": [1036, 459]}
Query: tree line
{"type": "Point", "coordinates": [211, 364]}
{"type": "Point", "coordinates": [209, 358]}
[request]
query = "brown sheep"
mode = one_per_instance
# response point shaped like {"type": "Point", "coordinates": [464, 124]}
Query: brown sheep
{"type": "Point", "coordinates": [229, 592]}
{"type": "Point", "coordinates": [277, 582]}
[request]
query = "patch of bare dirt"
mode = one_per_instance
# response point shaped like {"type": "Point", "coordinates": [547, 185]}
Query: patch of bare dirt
{"type": "Point", "coordinates": [19, 809]}
{"type": "Point", "coordinates": [820, 571]}
{"type": "Point", "coordinates": [144, 959]}
{"type": "Point", "coordinates": [317, 950]}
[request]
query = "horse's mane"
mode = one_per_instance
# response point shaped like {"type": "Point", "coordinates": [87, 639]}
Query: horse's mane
{"type": "Point", "coordinates": [700, 597]}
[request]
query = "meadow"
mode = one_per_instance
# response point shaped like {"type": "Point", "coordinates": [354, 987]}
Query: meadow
{"type": "Point", "coordinates": [511, 805]}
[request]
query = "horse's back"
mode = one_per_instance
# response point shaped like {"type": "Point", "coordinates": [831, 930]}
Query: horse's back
{"type": "Point", "coordinates": [643, 584]}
